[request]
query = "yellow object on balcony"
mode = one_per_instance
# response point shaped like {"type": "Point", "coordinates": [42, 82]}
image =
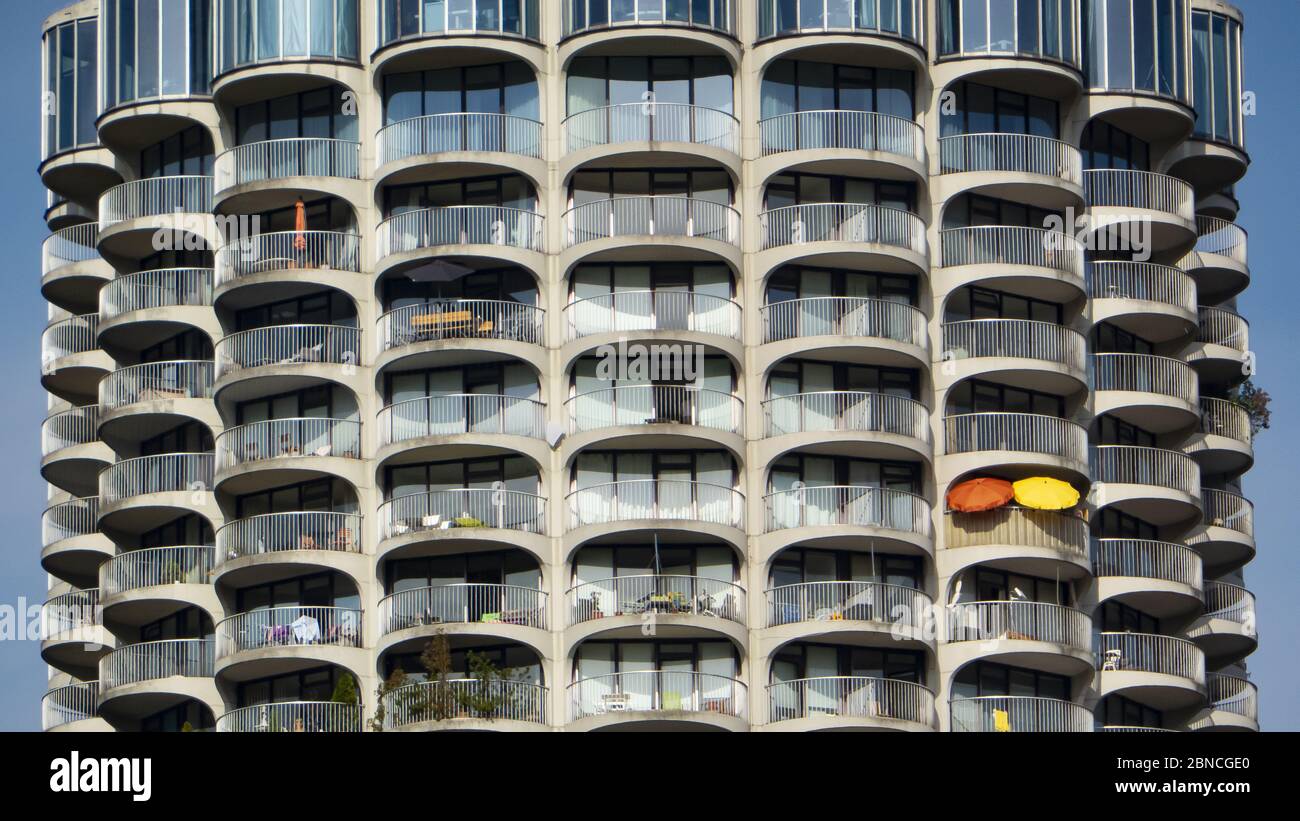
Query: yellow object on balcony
{"type": "Point", "coordinates": [1045, 493]}
{"type": "Point", "coordinates": [1001, 721]}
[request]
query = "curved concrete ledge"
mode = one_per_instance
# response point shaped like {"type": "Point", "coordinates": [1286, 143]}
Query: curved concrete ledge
{"type": "Point", "coordinates": [462, 540]}
{"type": "Point", "coordinates": [639, 247]}
{"type": "Point", "coordinates": [577, 537]}
{"type": "Point", "coordinates": [659, 720]}
{"type": "Point", "coordinates": [666, 626]}
{"type": "Point", "coordinates": [448, 165]}
{"type": "Point", "coordinates": [654, 436]}
{"type": "Point", "coordinates": [415, 638]}
{"type": "Point", "coordinates": [532, 261]}
{"type": "Point", "coordinates": [573, 350]}
{"type": "Point", "coordinates": [856, 256]}
{"type": "Point", "coordinates": [865, 350]}
{"type": "Point", "coordinates": [863, 444]}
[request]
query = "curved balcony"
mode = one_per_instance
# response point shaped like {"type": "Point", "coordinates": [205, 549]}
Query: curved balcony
{"type": "Point", "coordinates": [1159, 578]}
{"type": "Point", "coordinates": [314, 157]}
{"type": "Point", "coordinates": [1052, 357]}
{"type": "Point", "coordinates": [1160, 671]}
{"type": "Point", "coordinates": [71, 453]}
{"type": "Point", "coordinates": [264, 539]}
{"type": "Point", "coordinates": [671, 697]}
{"type": "Point", "coordinates": [1222, 347]}
{"type": "Point", "coordinates": [844, 228]}
{"type": "Point", "coordinates": [323, 33]}
{"type": "Point", "coordinates": [844, 511]}
{"type": "Point", "coordinates": [153, 567]}
{"type": "Point", "coordinates": [294, 717]}
{"type": "Point", "coordinates": [72, 548]}
{"type": "Point", "coordinates": [835, 702]}
{"type": "Point", "coordinates": [895, 424]}
{"type": "Point", "coordinates": [1226, 537]}
{"type": "Point", "coordinates": [139, 393]}
{"type": "Point", "coordinates": [1010, 627]}
{"type": "Point", "coordinates": [1024, 167]}
{"type": "Point", "coordinates": [153, 661]}
{"type": "Point", "coordinates": [887, 19]}
{"type": "Point", "coordinates": [1018, 714]}
{"type": "Point", "coordinates": [1157, 302]}
{"type": "Point", "coordinates": [1160, 487]}
{"type": "Point", "coordinates": [655, 220]}
{"type": "Point", "coordinates": [598, 15]}
{"type": "Point", "coordinates": [1029, 252]}
{"type": "Point", "coordinates": [275, 439]}
{"type": "Point", "coordinates": [507, 231]}
{"type": "Point", "coordinates": [462, 132]}
{"type": "Point", "coordinates": [829, 608]}
{"type": "Point", "coordinates": [499, 326]}
{"type": "Point", "coordinates": [493, 606]}
{"type": "Point", "coordinates": [699, 129]}
{"type": "Point", "coordinates": [70, 704]}
{"type": "Point", "coordinates": [1227, 632]}
{"type": "Point", "coordinates": [639, 406]}
{"type": "Point", "coordinates": [426, 421]}
{"type": "Point", "coordinates": [186, 473]}
{"type": "Point", "coordinates": [288, 347]}
{"type": "Point", "coordinates": [666, 313]}
{"type": "Point", "coordinates": [844, 316]}
{"type": "Point", "coordinates": [72, 632]}
{"type": "Point", "coordinates": [676, 603]}
{"type": "Point", "coordinates": [1223, 443]}
{"type": "Point", "coordinates": [71, 361]}
{"type": "Point", "coordinates": [163, 290]}
{"type": "Point", "coordinates": [289, 632]}
{"type": "Point", "coordinates": [660, 500]}
{"type": "Point", "coordinates": [1118, 196]}
{"type": "Point", "coordinates": [1218, 263]}
{"type": "Point", "coordinates": [1158, 392]}
{"type": "Point", "coordinates": [1036, 439]}
{"type": "Point", "coordinates": [292, 256]}
{"type": "Point", "coordinates": [469, 513]}
{"type": "Point", "coordinates": [131, 213]}
{"type": "Point", "coordinates": [1233, 704]}
{"type": "Point", "coordinates": [466, 703]}
{"type": "Point", "coordinates": [1037, 542]}
{"type": "Point", "coordinates": [71, 267]}
{"type": "Point", "coordinates": [881, 140]}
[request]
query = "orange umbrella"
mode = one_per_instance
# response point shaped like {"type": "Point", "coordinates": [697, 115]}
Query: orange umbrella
{"type": "Point", "coordinates": [300, 225]}
{"type": "Point", "coordinates": [984, 493]}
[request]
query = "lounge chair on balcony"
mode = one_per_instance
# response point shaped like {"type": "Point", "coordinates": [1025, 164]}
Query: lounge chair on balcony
{"type": "Point", "coordinates": [1113, 660]}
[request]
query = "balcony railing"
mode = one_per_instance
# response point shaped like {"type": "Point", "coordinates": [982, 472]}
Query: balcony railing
{"type": "Point", "coordinates": [165, 473]}
{"type": "Point", "coordinates": [988, 621]}
{"type": "Point", "coordinates": [1018, 714]}
{"type": "Point", "coordinates": [153, 660]}
{"type": "Point", "coordinates": [1230, 602]}
{"type": "Point", "coordinates": [850, 697]}
{"type": "Point", "coordinates": [1144, 373]}
{"type": "Point", "coordinates": [155, 197]}
{"type": "Point", "coordinates": [847, 601]}
{"type": "Point", "coordinates": [162, 288]}
{"type": "Point", "coordinates": [462, 508]}
{"type": "Point", "coordinates": [495, 700]}
{"type": "Point", "coordinates": [278, 532]}
{"type": "Point", "coordinates": [1133, 465]}
{"type": "Point", "coordinates": [652, 311]}
{"type": "Point", "coordinates": [288, 251]}
{"type": "Point", "coordinates": [455, 413]}
{"type": "Point", "coordinates": [463, 604]}
{"type": "Point", "coordinates": [1221, 238]}
{"type": "Point", "coordinates": [1150, 653]}
{"type": "Point", "coordinates": [67, 520]}
{"type": "Point", "coordinates": [287, 438]}
{"type": "Point", "coordinates": [889, 18]}
{"type": "Point", "coordinates": [652, 121]}
{"type": "Point", "coordinates": [72, 702]}
{"type": "Point", "coordinates": [655, 404]}
{"type": "Point", "coordinates": [663, 499]}
{"type": "Point", "coordinates": [74, 612]}
{"type": "Point", "coordinates": [1016, 339]}
{"type": "Point", "coordinates": [1018, 527]}
{"type": "Point", "coordinates": [1144, 190]}
{"type": "Point", "coordinates": [67, 246]}
{"type": "Point", "coordinates": [842, 222]}
{"type": "Point", "coordinates": [69, 429]}
{"type": "Point", "coordinates": [1232, 694]}
{"type": "Point", "coordinates": [844, 316]}
{"type": "Point", "coordinates": [458, 131]}
{"type": "Point", "coordinates": [1011, 245]}
{"type": "Point", "coordinates": [1131, 728]}
{"type": "Point", "coordinates": [656, 594]}
{"type": "Point", "coordinates": [291, 157]}
{"type": "Point", "coordinates": [288, 627]}
{"type": "Point", "coordinates": [1142, 282]}
{"type": "Point", "coordinates": [842, 129]}
{"type": "Point", "coordinates": [460, 225]}
{"type": "Point", "coordinates": [1147, 559]}
{"type": "Point", "coordinates": [294, 717]}
{"type": "Point", "coordinates": [156, 382]}
{"type": "Point", "coordinates": [1020, 432]}
{"type": "Point", "coordinates": [668, 691]}
{"type": "Point", "coordinates": [846, 411]}
{"type": "Point", "coordinates": [657, 216]}
{"type": "Point", "coordinates": [156, 566]}
{"type": "Point", "coordinates": [462, 319]}
{"type": "Point", "coordinates": [593, 15]}
{"type": "Point", "coordinates": [1226, 509]}
{"type": "Point", "coordinates": [289, 345]}
{"type": "Point", "coordinates": [1219, 417]}
{"type": "Point", "coordinates": [846, 505]}
{"type": "Point", "coordinates": [1010, 153]}
{"type": "Point", "coordinates": [1217, 326]}
{"type": "Point", "coordinates": [74, 335]}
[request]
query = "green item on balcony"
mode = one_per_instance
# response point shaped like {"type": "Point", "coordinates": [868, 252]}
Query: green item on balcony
{"type": "Point", "coordinates": [468, 521]}
{"type": "Point", "coordinates": [490, 617]}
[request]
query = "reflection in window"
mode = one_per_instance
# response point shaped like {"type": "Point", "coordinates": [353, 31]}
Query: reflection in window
{"type": "Point", "coordinates": [253, 31]}
{"type": "Point", "coordinates": [1216, 77]}
{"type": "Point", "coordinates": [400, 19]}
{"type": "Point", "coordinates": [1105, 146]}
{"type": "Point", "coordinates": [71, 69]}
{"type": "Point", "coordinates": [1135, 45]}
{"type": "Point", "coordinates": [498, 88]}
{"type": "Point", "coordinates": [1031, 28]}
{"type": "Point", "coordinates": [582, 15]}
{"type": "Point", "coordinates": [899, 18]}
{"type": "Point", "coordinates": [155, 48]}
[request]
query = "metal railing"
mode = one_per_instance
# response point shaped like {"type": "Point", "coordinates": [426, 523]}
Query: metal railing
{"type": "Point", "coordinates": [667, 691]}
{"type": "Point", "coordinates": [1144, 373]}
{"type": "Point", "coordinates": [460, 225]}
{"type": "Point", "coordinates": [70, 519]}
{"type": "Point", "coordinates": [1018, 527]}
{"type": "Point", "coordinates": [72, 702]}
{"type": "Point", "coordinates": [652, 310]}
{"type": "Point", "coordinates": [155, 382]}
{"type": "Point", "coordinates": [458, 131]}
{"type": "Point", "coordinates": [70, 428]}
{"type": "Point", "coordinates": [1018, 714]}
{"type": "Point", "coordinates": [462, 508]}
{"type": "Point", "coordinates": [844, 316]}
{"type": "Point", "coordinates": [1218, 326]}
{"type": "Point", "coordinates": [664, 499]}
{"type": "Point", "coordinates": [1150, 653]}
{"type": "Point", "coordinates": [161, 288]}
{"type": "Point", "coordinates": [719, 15]}
{"type": "Point", "coordinates": [988, 621]}
{"type": "Point", "coordinates": [849, 505]}
{"type": "Point", "coordinates": [73, 612]}
{"type": "Point", "coordinates": [156, 566]}
{"type": "Point", "coordinates": [903, 19]}
{"type": "Point", "coordinates": [1015, 338]}
{"type": "Point", "coordinates": [1131, 728]}
{"type": "Point", "coordinates": [66, 337]}
{"type": "Point", "coordinates": [847, 601]}
{"type": "Point", "coordinates": [859, 411]}
{"type": "Point", "coordinates": [1011, 245]}
{"type": "Point", "coordinates": [1021, 432]}
{"type": "Point", "coordinates": [1135, 465]}
{"type": "Point", "coordinates": [656, 404]}
{"type": "Point", "coordinates": [462, 319]}
{"type": "Point", "coordinates": [1143, 282]}
{"type": "Point", "coordinates": [1220, 237]}
{"type": "Point", "coordinates": [464, 18]}
{"type": "Point", "coordinates": [292, 626]}
{"type": "Point", "coordinates": [1015, 153]}
{"type": "Point", "coordinates": [288, 251]}
{"type": "Point", "coordinates": [1232, 694]}
{"type": "Point", "coordinates": [1147, 559]}
{"type": "Point", "coordinates": [659, 594]}
{"type": "Point", "coordinates": [652, 121]}
{"type": "Point", "coordinates": [153, 660]}
{"type": "Point", "coordinates": [288, 345]}
{"type": "Point", "coordinates": [842, 222]}
{"type": "Point", "coordinates": [494, 700]}
{"type": "Point", "coordinates": [1230, 602]}
{"type": "Point", "coordinates": [165, 473]}
{"type": "Point", "coordinates": [1226, 509]}
{"type": "Point", "coordinates": [288, 157]}
{"type": "Point", "coordinates": [279, 532]}
{"type": "Point", "coordinates": [155, 197]}
{"type": "Point", "coordinates": [455, 413]}
{"type": "Point", "coordinates": [285, 438]}
{"type": "Point", "coordinates": [76, 243]}
{"type": "Point", "coordinates": [1145, 190]}
{"type": "Point", "coordinates": [850, 697]}
{"type": "Point", "coordinates": [843, 129]}
{"type": "Point", "coordinates": [1221, 417]}
{"type": "Point", "coordinates": [294, 717]}
{"type": "Point", "coordinates": [463, 604]}
{"type": "Point", "coordinates": [662, 216]}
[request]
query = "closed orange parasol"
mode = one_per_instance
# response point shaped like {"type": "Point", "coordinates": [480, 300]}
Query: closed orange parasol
{"type": "Point", "coordinates": [300, 225]}
{"type": "Point", "coordinates": [984, 493]}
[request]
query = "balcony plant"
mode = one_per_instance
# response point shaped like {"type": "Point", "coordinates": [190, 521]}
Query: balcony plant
{"type": "Point", "coordinates": [1254, 401]}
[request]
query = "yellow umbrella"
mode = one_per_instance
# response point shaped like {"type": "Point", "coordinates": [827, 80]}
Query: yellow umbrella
{"type": "Point", "coordinates": [1045, 493]}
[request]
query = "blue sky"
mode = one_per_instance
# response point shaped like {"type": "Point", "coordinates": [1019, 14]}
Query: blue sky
{"type": "Point", "coordinates": [1270, 212]}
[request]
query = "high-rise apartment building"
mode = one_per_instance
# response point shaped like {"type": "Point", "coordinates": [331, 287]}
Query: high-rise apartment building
{"type": "Point", "coordinates": [646, 352]}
